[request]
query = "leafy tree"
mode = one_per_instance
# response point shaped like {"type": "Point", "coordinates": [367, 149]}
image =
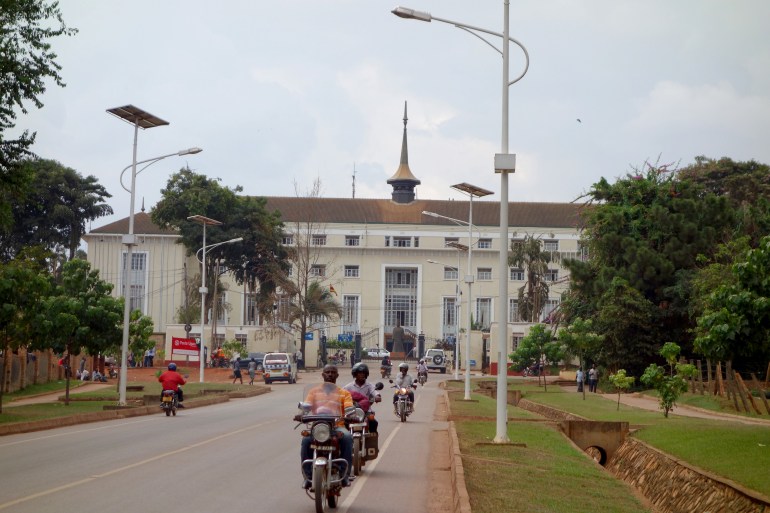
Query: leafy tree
{"type": "Point", "coordinates": [621, 382]}
{"type": "Point", "coordinates": [539, 346]}
{"type": "Point", "coordinates": [81, 313]}
{"type": "Point", "coordinates": [672, 384]}
{"type": "Point", "coordinates": [529, 255]}
{"type": "Point", "coordinates": [736, 321]}
{"type": "Point", "coordinates": [54, 213]}
{"type": "Point", "coordinates": [22, 289]}
{"type": "Point", "coordinates": [26, 65]}
{"type": "Point", "coordinates": [581, 341]}
{"type": "Point", "coordinates": [139, 332]}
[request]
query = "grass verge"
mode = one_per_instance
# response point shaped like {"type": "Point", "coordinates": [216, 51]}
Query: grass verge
{"type": "Point", "coordinates": [548, 475]}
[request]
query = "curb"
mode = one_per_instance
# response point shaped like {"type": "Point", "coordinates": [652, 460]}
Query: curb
{"type": "Point", "coordinates": [123, 413]}
{"type": "Point", "coordinates": [460, 500]}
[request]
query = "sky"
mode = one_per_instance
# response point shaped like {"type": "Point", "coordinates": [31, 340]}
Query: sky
{"type": "Point", "coordinates": [281, 93]}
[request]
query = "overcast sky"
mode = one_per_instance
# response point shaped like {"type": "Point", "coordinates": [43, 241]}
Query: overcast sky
{"type": "Point", "coordinates": [292, 90]}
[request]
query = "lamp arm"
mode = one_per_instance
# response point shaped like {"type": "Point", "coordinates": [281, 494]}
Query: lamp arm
{"type": "Point", "coordinates": [151, 162]}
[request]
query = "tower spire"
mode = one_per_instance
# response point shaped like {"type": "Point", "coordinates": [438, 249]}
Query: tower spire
{"type": "Point", "coordinates": [403, 181]}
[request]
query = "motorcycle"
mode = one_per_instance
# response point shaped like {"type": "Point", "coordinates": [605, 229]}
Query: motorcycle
{"type": "Point", "coordinates": [403, 403]}
{"type": "Point", "coordinates": [385, 371]}
{"type": "Point", "coordinates": [365, 444]}
{"type": "Point", "coordinates": [422, 378]}
{"type": "Point", "coordinates": [169, 402]}
{"type": "Point", "coordinates": [328, 466]}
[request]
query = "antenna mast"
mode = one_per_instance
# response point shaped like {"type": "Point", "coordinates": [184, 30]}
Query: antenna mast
{"type": "Point", "coordinates": [354, 180]}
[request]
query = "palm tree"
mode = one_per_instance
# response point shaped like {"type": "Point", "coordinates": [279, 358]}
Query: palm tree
{"type": "Point", "coordinates": [529, 255]}
{"type": "Point", "coordinates": [316, 302]}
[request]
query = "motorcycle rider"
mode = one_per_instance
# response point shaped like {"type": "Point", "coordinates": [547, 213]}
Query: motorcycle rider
{"type": "Point", "coordinates": [359, 385]}
{"type": "Point", "coordinates": [170, 380]}
{"type": "Point", "coordinates": [385, 365]}
{"type": "Point", "coordinates": [422, 369]}
{"type": "Point", "coordinates": [318, 396]}
{"type": "Point", "coordinates": [404, 380]}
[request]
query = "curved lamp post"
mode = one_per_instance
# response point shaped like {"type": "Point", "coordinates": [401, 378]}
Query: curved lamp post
{"type": "Point", "coordinates": [205, 221]}
{"type": "Point", "coordinates": [457, 311]}
{"type": "Point", "coordinates": [504, 163]}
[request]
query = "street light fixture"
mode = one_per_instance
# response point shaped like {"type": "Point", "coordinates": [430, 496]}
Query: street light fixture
{"type": "Point", "coordinates": [504, 163]}
{"type": "Point", "coordinates": [139, 119]}
{"type": "Point", "coordinates": [457, 312]}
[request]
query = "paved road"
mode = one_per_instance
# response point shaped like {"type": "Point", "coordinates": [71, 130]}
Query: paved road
{"type": "Point", "coordinates": [241, 455]}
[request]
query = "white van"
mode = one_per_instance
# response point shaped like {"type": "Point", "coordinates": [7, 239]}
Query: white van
{"type": "Point", "coordinates": [279, 367]}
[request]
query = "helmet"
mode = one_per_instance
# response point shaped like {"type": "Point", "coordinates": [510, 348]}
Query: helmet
{"type": "Point", "coordinates": [403, 366]}
{"type": "Point", "coordinates": [422, 360]}
{"type": "Point", "coordinates": [172, 366]}
{"type": "Point", "coordinates": [360, 367]}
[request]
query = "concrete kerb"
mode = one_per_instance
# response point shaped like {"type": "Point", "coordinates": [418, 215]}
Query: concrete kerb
{"type": "Point", "coordinates": [121, 413]}
{"type": "Point", "coordinates": [460, 500]}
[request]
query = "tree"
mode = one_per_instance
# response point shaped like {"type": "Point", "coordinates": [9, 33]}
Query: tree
{"type": "Point", "coordinates": [22, 289]}
{"type": "Point", "coordinates": [621, 382]}
{"type": "Point", "coordinates": [736, 320]}
{"type": "Point", "coordinates": [539, 346]}
{"type": "Point", "coordinates": [258, 260]}
{"type": "Point", "coordinates": [672, 384]}
{"type": "Point", "coordinates": [529, 255]}
{"type": "Point", "coordinates": [581, 341]}
{"type": "Point", "coordinates": [313, 304]}
{"type": "Point", "coordinates": [26, 65]}
{"type": "Point", "coordinates": [140, 330]}
{"type": "Point", "coordinates": [81, 313]}
{"type": "Point", "coordinates": [55, 210]}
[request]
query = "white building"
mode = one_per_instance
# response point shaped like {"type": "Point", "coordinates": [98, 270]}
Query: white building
{"type": "Point", "coordinates": [385, 259]}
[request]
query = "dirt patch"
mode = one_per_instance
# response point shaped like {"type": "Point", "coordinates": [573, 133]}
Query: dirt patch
{"type": "Point", "coordinates": [213, 375]}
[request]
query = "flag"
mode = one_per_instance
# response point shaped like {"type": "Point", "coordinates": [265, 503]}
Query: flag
{"type": "Point", "coordinates": [331, 289]}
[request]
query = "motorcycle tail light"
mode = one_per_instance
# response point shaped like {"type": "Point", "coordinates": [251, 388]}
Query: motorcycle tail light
{"type": "Point", "coordinates": [322, 432]}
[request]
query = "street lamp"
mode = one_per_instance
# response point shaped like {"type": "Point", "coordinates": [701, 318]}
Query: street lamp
{"type": "Point", "coordinates": [504, 163]}
{"type": "Point", "coordinates": [457, 311]}
{"type": "Point", "coordinates": [205, 221]}
{"type": "Point", "coordinates": [143, 120]}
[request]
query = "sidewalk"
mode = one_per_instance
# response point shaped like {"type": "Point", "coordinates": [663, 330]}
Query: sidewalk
{"type": "Point", "coordinates": [646, 402]}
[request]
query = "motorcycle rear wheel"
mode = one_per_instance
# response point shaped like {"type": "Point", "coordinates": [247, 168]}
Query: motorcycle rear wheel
{"type": "Point", "coordinates": [356, 457]}
{"type": "Point", "coordinates": [321, 489]}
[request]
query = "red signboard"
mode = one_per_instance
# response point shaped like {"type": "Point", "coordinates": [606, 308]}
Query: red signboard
{"type": "Point", "coordinates": [185, 346]}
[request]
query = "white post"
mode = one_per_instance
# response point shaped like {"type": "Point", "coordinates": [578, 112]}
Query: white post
{"type": "Point", "coordinates": [203, 291]}
{"type": "Point", "coordinates": [501, 432]}
{"type": "Point", "coordinates": [469, 279]}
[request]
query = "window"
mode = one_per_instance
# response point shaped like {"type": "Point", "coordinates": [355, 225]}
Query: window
{"type": "Point", "coordinates": [352, 240]}
{"type": "Point", "coordinates": [402, 242]}
{"type": "Point", "coordinates": [483, 317]}
{"type": "Point", "coordinates": [350, 314]}
{"type": "Point", "coordinates": [551, 275]}
{"type": "Point", "coordinates": [449, 314]}
{"type": "Point", "coordinates": [515, 341]}
{"type": "Point", "coordinates": [241, 337]}
{"type": "Point", "coordinates": [513, 311]}
{"type": "Point", "coordinates": [318, 270]}
{"type": "Point", "coordinates": [223, 308]}
{"type": "Point", "coordinates": [516, 274]}
{"type": "Point", "coordinates": [387, 241]}
{"type": "Point", "coordinates": [550, 307]}
{"type": "Point", "coordinates": [551, 245]}
{"type": "Point", "coordinates": [318, 240]}
{"type": "Point", "coordinates": [451, 240]}
{"type": "Point", "coordinates": [290, 272]}
{"type": "Point", "coordinates": [287, 240]}
{"type": "Point", "coordinates": [416, 242]}
{"type": "Point", "coordinates": [485, 244]}
{"type": "Point", "coordinates": [450, 273]}
{"type": "Point", "coordinates": [351, 271]}
{"type": "Point", "coordinates": [485, 273]}
{"type": "Point", "coordinates": [137, 278]}
{"type": "Point", "coordinates": [251, 315]}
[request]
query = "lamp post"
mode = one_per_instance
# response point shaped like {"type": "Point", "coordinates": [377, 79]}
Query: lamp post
{"type": "Point", "coordinates": [472, 192]}
{"type": "Point", "coordinates": [139, 119]}
{"type": "Point", "coordinates": [457, 312]}
{"type": "Point", "coordinates": [504, 163]}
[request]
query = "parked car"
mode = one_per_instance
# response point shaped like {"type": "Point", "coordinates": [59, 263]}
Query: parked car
{"type": "Point", "coordinates": [377, 352]}
{"type": "Point", "coordinates": [258, 357]}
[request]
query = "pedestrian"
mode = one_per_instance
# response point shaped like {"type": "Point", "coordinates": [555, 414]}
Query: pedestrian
{"type": "Point", "coordinates": [252, 370]}
{"type": "Point", "coordinates": [237, 370]}
{"type": "Point", "coordinates": [146, 360]}
{"type": "Point", "coordinates": [152, 355]}
{"type": "Point", "coordinates": [579, 378]}
{"type": "Point", "coordinates": [593, 375]}
{"type": "Point", "coordinates": [299, 361]}
{"type": "Point", "coordinates": [82, 365]}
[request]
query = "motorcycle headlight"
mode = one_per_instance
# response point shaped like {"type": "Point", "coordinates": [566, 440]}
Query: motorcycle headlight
{"type": "Point", "coordinates": [403, 391]}
{"type": "Point", "coordinates": [322, 432]}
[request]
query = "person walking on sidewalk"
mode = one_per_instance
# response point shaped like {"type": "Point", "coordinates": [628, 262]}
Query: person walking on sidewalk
{"type": "Point", "coordinates": [237, 371]}
{"type": "Point", "coordinates": [593, 376]}
{"type": "Point", "coordinates": [252, 370]}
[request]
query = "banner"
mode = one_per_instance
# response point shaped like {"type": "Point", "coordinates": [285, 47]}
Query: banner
{"type": "Point", "coordinates": [184, 346]}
